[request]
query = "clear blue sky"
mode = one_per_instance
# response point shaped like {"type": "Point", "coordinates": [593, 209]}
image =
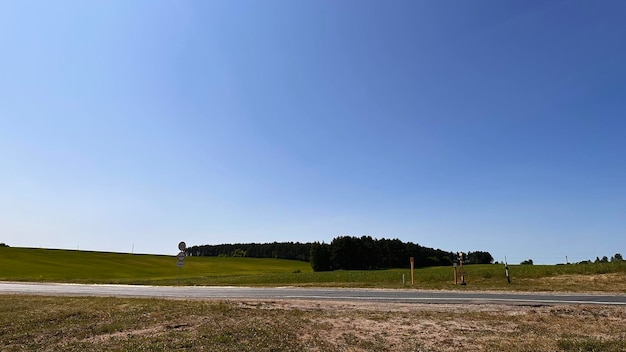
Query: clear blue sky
{"type": "Point", "coordinates": [460, 125]}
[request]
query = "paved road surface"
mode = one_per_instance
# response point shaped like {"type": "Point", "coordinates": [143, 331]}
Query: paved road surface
{"type": "Point", "coordinates": [333, 294]}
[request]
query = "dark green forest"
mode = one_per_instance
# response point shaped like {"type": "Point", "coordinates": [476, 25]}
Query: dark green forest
{"type": "Point", "coordinates": [345, 253]}
{"type": "Point", "coordinates": [279, 250]}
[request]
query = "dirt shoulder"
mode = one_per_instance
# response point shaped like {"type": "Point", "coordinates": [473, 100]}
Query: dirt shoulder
{"type": "Point", "coordinates": [58, 323]}
{"type": "Point", "coordinates": [476, 327]}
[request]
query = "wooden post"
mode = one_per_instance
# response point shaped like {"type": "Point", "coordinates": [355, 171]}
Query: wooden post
{"type": "Point", "coordinates": [412, 270]}
{"type": "Point", "coordinates": [461, 269]}
{"type": "Point", "coordinates": [456, 280]}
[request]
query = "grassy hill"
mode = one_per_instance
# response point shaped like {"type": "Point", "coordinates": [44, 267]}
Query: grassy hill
{"type": "Point", "coordinates": [46, 265]}
{"type": "Point", "coordinates": [49, 265]}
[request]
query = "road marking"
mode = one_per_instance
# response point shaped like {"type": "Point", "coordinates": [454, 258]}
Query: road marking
{"type": "Point", "coordinates": [243, 293]}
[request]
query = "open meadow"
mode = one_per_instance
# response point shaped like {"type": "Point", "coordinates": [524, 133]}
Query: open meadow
{"type": "Point", "coordinates": [44, 265]}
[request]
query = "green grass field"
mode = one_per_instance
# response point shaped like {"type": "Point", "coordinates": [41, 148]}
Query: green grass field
{"type": "Point", "coordinates": [47, 265]}
{"type": "Point", "coordinates": [44, 265]}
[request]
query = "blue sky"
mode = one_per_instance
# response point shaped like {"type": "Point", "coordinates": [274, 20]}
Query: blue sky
{"type": "Point", "coordinates": [460, 125]}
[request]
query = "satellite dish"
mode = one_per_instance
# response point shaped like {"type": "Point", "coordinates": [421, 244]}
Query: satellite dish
{"type": "Point", "coordinates": [182, 246]}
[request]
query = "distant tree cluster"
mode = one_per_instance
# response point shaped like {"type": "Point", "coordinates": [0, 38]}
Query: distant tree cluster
{"type": "Point", "coordinates": [616, 258]}
{"type": "Point", "coordinates": [283, 250]}
{"type": "Point", "coordinates": [478, 257]}
{"type": "Point", "coordinates": [344, 253]}
{"type": "Point", "coordinates": [363, 253]}
{"type": "Point", "coordinates": [3, 245]}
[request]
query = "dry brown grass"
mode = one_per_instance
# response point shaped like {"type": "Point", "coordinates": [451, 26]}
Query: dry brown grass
{"type": "Point", "coordinates": [606, 283]}
{"type": "Point", "coordinates": [121, 324]}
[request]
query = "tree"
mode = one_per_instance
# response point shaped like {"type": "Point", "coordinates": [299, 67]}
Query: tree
{"type": "Point", "coordinates": [3, 245]}
{"type": "Point", "coordinates": [617, 258]}
{"type": "Point", "coordinates": [527, 262]}
{"type": "Point", "coordinates": [479, 257]}
{"type": "Point", "coordinates": [604, 259]}
{"type": "Point", "coordinates": [320, 257]}
{"type": "Point", "coordinates": [344, 253]}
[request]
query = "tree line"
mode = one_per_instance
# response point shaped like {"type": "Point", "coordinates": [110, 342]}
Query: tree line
{"type": "Point", "coordinates": [345, 253]}
{"type": "Point", "coordinates": [363, 253]}
{"type": "Point", "coordinates": [279, 250]}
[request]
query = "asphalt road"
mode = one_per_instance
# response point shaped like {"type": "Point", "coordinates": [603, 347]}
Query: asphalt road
{"type": "Point", "coordinates": [331, 294]}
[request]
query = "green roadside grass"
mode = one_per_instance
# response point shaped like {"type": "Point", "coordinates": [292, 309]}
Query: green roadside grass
{"type": "Point", "coordinates": [46, 265]}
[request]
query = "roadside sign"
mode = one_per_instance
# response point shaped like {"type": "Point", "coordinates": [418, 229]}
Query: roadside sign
{"type": "Point", "coordinates": [182, 246]}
